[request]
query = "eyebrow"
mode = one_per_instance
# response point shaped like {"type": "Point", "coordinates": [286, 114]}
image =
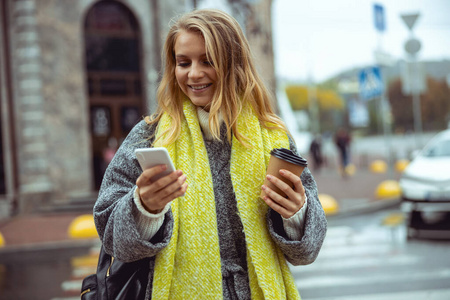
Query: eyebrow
{"type": "Point", "coordinates": [185, 56]}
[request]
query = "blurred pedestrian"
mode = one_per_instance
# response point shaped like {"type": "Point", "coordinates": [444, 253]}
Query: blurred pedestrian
{"type": "Point", "coordinates": [207, 232]}
{"type": "Point", "coordinates": [109, 152]}
{"type": "Point", "coordinates": [342, 140]}
{"type": "Point", "coordinates": [315, 150]}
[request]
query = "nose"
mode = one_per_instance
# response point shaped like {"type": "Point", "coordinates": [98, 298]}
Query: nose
{"type": "Point", "coordinates": [196, 71]}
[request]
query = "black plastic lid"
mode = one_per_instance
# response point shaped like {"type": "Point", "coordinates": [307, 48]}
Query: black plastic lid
{"type": "Point", "coordinates": [289, 156]}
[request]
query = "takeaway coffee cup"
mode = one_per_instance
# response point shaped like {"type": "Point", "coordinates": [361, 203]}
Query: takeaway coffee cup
{"type": "Point", "coordinates": [281, 158]}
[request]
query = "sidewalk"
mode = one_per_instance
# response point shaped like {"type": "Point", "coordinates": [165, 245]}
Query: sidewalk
{"type": "Point", "coordinates": [39, 232]}
{"type": "Point", "coordinates": [354, 194]}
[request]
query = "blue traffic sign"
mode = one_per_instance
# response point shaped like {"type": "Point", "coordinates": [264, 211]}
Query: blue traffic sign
{"type": "Point", "coordinates": [378, 13]}
{"type": "Point", "coordinates": [370, 83]}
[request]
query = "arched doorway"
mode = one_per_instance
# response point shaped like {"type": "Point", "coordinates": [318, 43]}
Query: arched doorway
{"type": "Point", "coordinates": [113, 65]}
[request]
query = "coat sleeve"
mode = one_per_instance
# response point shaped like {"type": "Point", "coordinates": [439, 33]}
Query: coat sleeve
{"type": "Point", "coordinates": [305, 250]}
{"type": "Point", "coordinates": [115, 210]}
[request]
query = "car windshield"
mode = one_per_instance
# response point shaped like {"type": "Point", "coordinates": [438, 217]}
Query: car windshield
{"type": "Point", "coordinates": [440, 148]}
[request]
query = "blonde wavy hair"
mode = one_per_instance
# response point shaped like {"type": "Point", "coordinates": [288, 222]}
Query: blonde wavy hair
{"type": "Point", "coordinates": [237, 79]}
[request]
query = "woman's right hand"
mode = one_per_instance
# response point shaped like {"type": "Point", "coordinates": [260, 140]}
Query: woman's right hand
{"type": "Point", "coordinates": [156, 194]}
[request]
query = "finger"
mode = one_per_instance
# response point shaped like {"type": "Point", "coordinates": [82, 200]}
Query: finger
{"type": "Point", "coordinates": [145, 180]}
{"type": "Point", "coordinates": [288, 204]}
{"type": "Point", "coordinates": [295, 179]}
{"type": "Point", "coordinates": [286, 189]}
{"type": "Point", "coordinates": [149, 173]}
{"type": "Point", "coordinates": [172, 187]}
{"type": "Point", "coordinates": [178, 193]}
{"type": "Point", "coordinates": [162, 202]}
{"type": "Point", "coordinates": [278, 208]}
{"type": "Point", "coordinates": [155, 198]}
{"type": "Point", "coordinates": [163, 182]}
{"type": "Point", "coordinates": [298, 194]}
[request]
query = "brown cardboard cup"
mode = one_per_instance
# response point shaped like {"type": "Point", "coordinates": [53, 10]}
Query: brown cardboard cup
{"type": "Point", "coordinates": [274, 167]}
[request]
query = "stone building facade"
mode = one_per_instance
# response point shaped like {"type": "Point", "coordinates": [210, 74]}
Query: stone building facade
{"type": "Point", "coordinates": [75, 76]}
{"type": "Point", "coordinates": [55, 88]}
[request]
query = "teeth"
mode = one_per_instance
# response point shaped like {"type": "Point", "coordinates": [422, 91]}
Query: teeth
{"type": "Point", "coordinates": [199, 87]}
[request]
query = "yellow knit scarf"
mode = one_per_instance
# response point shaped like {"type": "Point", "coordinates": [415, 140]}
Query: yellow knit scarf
{"type": "Point", "coordinates": [190, 267]}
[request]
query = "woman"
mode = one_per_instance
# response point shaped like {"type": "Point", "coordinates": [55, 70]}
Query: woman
{"type": "Point", "coordinates": [208, 233]}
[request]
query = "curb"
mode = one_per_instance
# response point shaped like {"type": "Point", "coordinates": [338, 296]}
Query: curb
{"type": "Point", "coordinates": [80, 233]}
{"type": "Point", "coordinates": [367, 208]}
{"type": "Point", "coordinates": [49, 246]}
{"type": "Point", "coordinates": [80, 242]}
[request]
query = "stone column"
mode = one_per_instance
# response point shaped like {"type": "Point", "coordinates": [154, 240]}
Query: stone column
{"type": "Point", "coordinates": [32, 152]}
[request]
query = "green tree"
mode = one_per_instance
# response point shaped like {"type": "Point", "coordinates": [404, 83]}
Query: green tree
{"type": "Point", "coordinates": [298, 96]}
{"type": "Point", "coordinates": [329, 104]}
{"type": "Point", "coordinates": [434, 105]}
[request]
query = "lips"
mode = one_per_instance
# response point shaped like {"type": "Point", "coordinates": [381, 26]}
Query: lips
{"type": "Point", "coordinates": [199, 87]}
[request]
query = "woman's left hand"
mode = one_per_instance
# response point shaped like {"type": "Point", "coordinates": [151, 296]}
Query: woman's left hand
{"type": "Point", "coordinates": [295, 197]}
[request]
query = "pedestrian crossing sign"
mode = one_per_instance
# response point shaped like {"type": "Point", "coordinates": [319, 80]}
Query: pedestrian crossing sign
{"type": "Point", "coordinates": [370, 83]}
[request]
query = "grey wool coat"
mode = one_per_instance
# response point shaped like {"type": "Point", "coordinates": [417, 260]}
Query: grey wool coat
{"type": "Point", "coordinates": [115, 216]}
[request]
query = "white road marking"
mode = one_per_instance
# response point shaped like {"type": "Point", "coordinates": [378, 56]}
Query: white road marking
{"type": "Point", "coordinates": [372, 279]}
{"type": "Point", "coordinates": [409, 295]}
{"type": "Point", "coordinates": [356, 263]}
{"type": "Point", "coordinates": [83, 271]}
{"type": "Point", "coordinates": [71, 285]}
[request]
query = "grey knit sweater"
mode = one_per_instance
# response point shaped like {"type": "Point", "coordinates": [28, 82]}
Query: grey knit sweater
{"type": "Point", "coordinates": [115, 216]}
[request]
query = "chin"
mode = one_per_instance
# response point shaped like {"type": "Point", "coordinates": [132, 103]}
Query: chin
{"type": "Point", "coordinates": [201, 103]}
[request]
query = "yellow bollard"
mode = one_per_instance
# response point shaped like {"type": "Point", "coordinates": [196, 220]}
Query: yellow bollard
{"type": "Point", "coordinates": [350, 170]}
{"type": "Point", "coordinates": [378, 166]}
{"type": "Point", "coordinates": [329, 204]}
{"type": "Point", "coordinates": [2, 240]}
{"type": "Point", "coordinates": [401, 165]}
{"type": "Point", "coordinates": [388, 189]}
{"type": "Point", "coordinates": [83, 227]}
{"type": "Point", "coordinates": [393, 220]}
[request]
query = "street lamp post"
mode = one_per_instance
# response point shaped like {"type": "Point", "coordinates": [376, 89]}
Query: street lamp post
{"type": "Point", "coordinates": [383, 59]}
{"type": "Point", "coordinates": [413, 81]}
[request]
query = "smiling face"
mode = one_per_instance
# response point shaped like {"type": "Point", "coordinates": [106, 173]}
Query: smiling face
{"type": "Point", "coordinates": [195, 74]}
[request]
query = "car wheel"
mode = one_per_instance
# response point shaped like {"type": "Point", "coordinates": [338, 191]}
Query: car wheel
{"type": "Point", "coordinates": [415, 219]}
{"type": "Point", "coordinates": [434, 217]}
{"type": "Point", "coordinates": [411, 233]}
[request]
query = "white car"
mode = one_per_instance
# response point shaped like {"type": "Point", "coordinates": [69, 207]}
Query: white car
{"type": "Point", "coordinates": [425, 186]}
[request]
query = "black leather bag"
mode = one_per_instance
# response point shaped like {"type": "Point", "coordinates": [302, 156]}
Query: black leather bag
{"type": "Point", "coordinates": [116, 280]}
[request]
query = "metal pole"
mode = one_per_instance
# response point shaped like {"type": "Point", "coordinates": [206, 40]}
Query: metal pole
{"type": "Point", "coordinates": [313, 108]}
{"type": "Point", "coordinates": [417, 113]}
{"type": "Point", "coordinates": [385, 112]}
{"type": "Point", "coordinates": [412, 46]}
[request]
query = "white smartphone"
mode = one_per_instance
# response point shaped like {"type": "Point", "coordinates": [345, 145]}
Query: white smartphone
{"type": "Point", "coordinates": [150, 157]}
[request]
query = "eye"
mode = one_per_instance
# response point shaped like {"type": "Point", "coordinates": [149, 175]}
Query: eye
{"type": "Point", "coordinates": [183, 64]}
{"type": "Point", "coordinates": [208, 63]}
